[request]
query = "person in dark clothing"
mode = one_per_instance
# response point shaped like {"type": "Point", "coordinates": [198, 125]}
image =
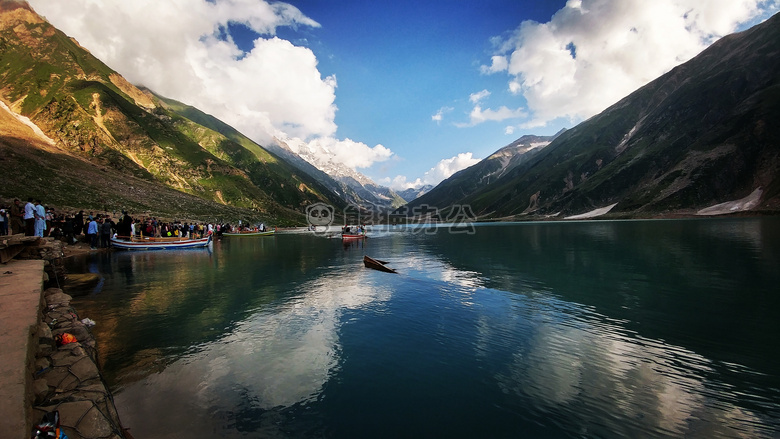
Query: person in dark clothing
{"type": "Point", "coordinates": [126, 225]}
{"type": "Point", "coordinates": [17, 217]}
{"type": "Point", "coordinates": [106, 228]}
{"type": "Point", "coordinates": [78, 223]}
{"type": "Point", "coordinates": [67, 230]}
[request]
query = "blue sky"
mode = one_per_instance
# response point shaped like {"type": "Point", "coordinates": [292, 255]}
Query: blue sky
{"type": "Point", "coordinates": [406, 92]}
{"type": "Point", "coordinates": [398, 63]}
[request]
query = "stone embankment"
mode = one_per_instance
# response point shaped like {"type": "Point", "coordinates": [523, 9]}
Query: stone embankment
{"type": "Point", "coordinates": [67, 378]}
{"type": "Point", "coordinates": [37, 374]}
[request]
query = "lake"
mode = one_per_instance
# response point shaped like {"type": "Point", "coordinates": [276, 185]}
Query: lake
{"type": "Point", "coordinates": [562, 329]}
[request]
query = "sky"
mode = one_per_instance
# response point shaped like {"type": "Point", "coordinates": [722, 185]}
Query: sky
{"type": "Point", "coordinates": [405, 92]}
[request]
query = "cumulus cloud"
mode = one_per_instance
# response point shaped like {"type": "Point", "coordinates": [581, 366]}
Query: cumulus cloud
{"type": "Point", "coordinates": [478, 115]}
{"type": "Point", "coordinates": [180, 49]}
{"type": "Point", "coordinates": [350, 153]}
{"type": "Point", "coordinates": [443, 170]}
{"type": "Point", "coordinates": [594, 52]}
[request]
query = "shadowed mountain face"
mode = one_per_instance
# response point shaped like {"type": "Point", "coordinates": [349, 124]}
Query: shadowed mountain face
{"type": "Point", "coordinates": [89, 115]}
{"type": "Point", "coordinates": [703, 134]}
{"type": "Point", "coordinates": [490, 170]}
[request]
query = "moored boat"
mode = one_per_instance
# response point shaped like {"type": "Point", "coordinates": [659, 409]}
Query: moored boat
{"type": "Point", "coordinates": [127, 243]}
{"type": "Point", "coordinates": [376, 264]}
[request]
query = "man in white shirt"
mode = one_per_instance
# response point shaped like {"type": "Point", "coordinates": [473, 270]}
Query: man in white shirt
{"type": "Point", "coordinates": [40, 218]}
{"type": "Point", "coordinates": [29, 218]}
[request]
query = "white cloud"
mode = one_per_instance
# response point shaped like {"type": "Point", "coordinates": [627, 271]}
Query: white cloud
{"type": "Point", "coordinates": [476, 97]}
{"type": "Point", "coordinates": [440, 114]}
{"type": "Point", "coordinates": [594, 52]}
{"type": "Point", "coordinates": [478, 115]}
{"type": "Point", "coordinates": [400, 183]}
{"type": "Point", "coordinates": [352, 154]}
{"type": "Point", "coordinates": [173, 48]}
{"type": "Point", "coordinates": [498, 63]}
{"type": "Point", "coordinates": [443, 170]}
{"type": "Point", "coordinates": [509, 130]}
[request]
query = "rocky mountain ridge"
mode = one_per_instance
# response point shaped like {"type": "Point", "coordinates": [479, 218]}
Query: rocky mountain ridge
{"type": "Point", "coordinates": [699, 136]}
{"type": "Point", "coordinates": [353, 186]}
{"type": "Point", "coordinates": [467, 181]}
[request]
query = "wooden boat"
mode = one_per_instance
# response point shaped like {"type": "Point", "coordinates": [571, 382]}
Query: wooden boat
{"type": "Point", "coordinates": [250, 233]}
{"type": "Point", "coordinates": [376, 264]}
{"type": "Point", "coordinates": [353, 232]}
{"type": "Point", "coordinates": [127, 243]}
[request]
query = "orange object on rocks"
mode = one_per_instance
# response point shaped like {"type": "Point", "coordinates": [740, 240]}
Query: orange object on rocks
{"type": "Point", "coordinates": [65, 338]}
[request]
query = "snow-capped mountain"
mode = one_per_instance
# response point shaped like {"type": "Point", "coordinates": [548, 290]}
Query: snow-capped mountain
{"type": "Point", "coordinates": [355, 187]}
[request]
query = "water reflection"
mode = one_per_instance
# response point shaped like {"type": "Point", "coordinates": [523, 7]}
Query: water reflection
{"type": "Point", "coordinates": [593, 329]}
{"type": "Point", "coordinates": [280, 356]}
{"type": "Point", "coordinates": [603, 381]}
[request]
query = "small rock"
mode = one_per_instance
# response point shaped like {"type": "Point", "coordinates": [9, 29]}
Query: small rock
{"type": "Point", "coordinates": [85, 369]}
{"type": "Point", "coordinates": [44, 331]}
{"type": "Point", "coordinates": [50, 291]}
{"type": "Point", "coordinates": [45, 349]}
{"type": "Point", "coordinates": [40, 390]}
{"type": "Point", "coordinates": [58, 299]}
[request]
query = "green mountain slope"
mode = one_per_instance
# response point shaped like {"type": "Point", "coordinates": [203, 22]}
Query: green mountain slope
{"type": "Point", "coordinates": [92, 113]}
{"type": "Point", "coordinates": [702, 134]}
{"type": "Point", "coordinates": [286, 183]}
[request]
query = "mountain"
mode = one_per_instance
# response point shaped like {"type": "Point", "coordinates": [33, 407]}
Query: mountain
{"type": "Point", "coordinates": [91, 114]}
{"type": "Point", "coordinates": [467, 181]}
{"type": "Point", "coordinates": [412, 193]}
{"type": "Point", "coordinates": [354, 187]}
{"type": "Point", "coordinates": [703, 134]}
{"type": "Point", "coordinates": [264, 167]}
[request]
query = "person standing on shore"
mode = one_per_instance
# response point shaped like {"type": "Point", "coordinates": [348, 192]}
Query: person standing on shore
{"type": "Point", "coordinates": [29, 218]}
{"type": "Point", "coordinates": [92, 234]}
{"type": "Point", "coordinates": [78, 223]}
{"type": "Point", "coordinates": [40, 218]}
{"type": "Point", "coordinates": [3, 221]}
{"type": "Point", "coordinates": [68, 230]}
{"type": "Point", "coordinates": [105, 232]}
{"type": "Point", "coordinates": [49, 222]}
{"type": "Point", "coordinates": [17, 217]}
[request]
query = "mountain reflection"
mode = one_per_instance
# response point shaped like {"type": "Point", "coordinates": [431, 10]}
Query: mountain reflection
{"type": "Point", "coordinates": [605, 381]}
{"type": "Point", "coordinates": [628, 329]}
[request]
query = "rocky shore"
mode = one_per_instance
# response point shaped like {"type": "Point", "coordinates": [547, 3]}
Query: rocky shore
{"type": "Point", "coordinates": [61, 361]}
{"type": "Point", "coordinates": [66, 375]}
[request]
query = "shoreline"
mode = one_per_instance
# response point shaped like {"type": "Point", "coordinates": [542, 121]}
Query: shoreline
{"type": "Point", "coordinates": [44, 369]}
{"type": "Point", "coordinates": [67, 377]}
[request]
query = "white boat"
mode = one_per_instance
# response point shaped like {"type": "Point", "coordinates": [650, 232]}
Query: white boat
{"type": "Point", "coordinates": [159, 243]}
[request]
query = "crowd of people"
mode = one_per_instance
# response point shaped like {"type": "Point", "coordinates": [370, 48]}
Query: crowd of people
{"type": "Point", "coordinates": [34, 219]}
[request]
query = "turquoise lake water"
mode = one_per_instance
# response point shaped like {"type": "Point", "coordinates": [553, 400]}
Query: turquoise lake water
{"type": "Point", "coordinates": [575, 329]}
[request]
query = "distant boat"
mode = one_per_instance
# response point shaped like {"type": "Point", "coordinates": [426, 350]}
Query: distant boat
{"type": "Point", "coordinates": [250, 233]}
{"type": "Point", "coordinates": [127, 243]}
{"type": "Point", "coordinates": [347, 233]}
{"type": "Point", "coordinates": [376, 264]}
